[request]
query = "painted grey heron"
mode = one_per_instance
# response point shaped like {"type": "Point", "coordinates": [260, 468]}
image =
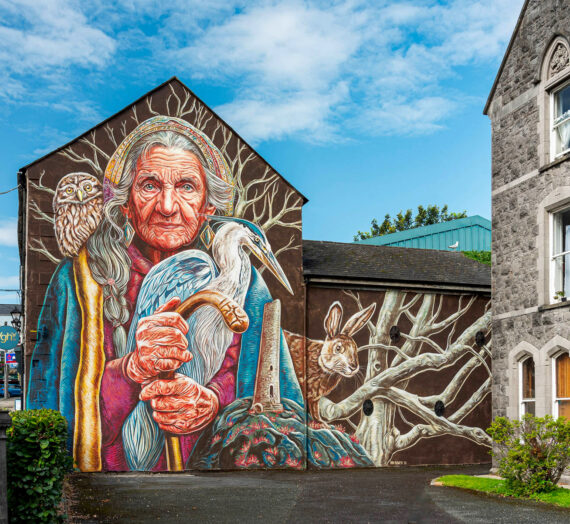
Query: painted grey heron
{"type": "Point", "coordinates": [181, 276]}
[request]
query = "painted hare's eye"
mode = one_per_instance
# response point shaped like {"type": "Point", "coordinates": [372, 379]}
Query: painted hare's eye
{"type": "Point", "coordinates": [337, 348]}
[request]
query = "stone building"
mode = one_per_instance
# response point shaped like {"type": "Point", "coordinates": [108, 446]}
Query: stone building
{"type": "Point", "coordinates": [529, 108]}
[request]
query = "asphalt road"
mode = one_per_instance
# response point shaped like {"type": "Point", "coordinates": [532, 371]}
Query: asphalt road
{"type": "Point", "coordinates": [380, 495]}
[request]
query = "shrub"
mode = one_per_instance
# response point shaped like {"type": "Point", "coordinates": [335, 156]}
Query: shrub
{"type": "Point", "coordinates": [37, 463]}
{"type": "Point", "coordinates": [480, 256]}
{"type": "Point", "coordinates": [532, 452]}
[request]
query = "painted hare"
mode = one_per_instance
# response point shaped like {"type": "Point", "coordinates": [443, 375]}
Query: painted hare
{"type": "Point", "coordinates": [327, 360]}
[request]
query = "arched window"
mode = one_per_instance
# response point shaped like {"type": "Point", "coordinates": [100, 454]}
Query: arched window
{"type": "Point", "coordinates": [561, 372]}
{"type": "Point", "coordinates": [555, 95]}
{"type": "Point", "coordinates": [526, 386]}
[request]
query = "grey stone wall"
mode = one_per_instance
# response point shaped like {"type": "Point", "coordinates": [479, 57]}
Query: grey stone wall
{"type": "Point", "coordinates": [520, 186]}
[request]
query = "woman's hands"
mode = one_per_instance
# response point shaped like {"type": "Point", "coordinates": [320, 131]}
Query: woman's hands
{"type": "Point", "coordinates": [180, 405]}
{"type": "Point", "coordinates": [161, 344]}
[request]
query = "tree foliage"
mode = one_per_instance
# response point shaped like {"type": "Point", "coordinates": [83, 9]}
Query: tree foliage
{"type": "Point", "coordinates": [480, 256]}
{"type": "Point", "coordinates": [533, 452]}
{"type": "Point", "coordinates": [425, 216]}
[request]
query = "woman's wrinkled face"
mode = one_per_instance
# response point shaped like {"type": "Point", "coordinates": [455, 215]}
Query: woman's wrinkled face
{"type": "Point", "coordinates": [167, 198]}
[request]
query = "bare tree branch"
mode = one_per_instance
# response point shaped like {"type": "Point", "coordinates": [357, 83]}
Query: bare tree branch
{"type": "Point", "coordinates": [39, 247]}
{"type": "Point", "coordinates": [423, 340]}
{"type": "Point", "coordinates": [438, 327]}
{"type": "Point", "coordinates": [454, 387]}
{"type": "Point", "coordinates": [134, 116]}
{"type": "Point", "coordinates": [111, 134]}
{"type": "Point", "coordinates": [40, 185]}
{"type": "Point", "coordinates": [404, 371]}
{"type": "Point", "coordinates": [386, 347]}
{"type": "Point", "coordinates": [92, 162]}
{"type": "Point", "coordinates": [149, 106]}
{"type": "Point", "coordinates": [39, 214]}
{"type": "Point", "coordinates": [410, 402]}
{"type": "Point", "coordinates": [473, 402]}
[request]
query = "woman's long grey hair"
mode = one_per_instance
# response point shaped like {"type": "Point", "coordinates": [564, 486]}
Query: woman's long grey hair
{"type": "Point", "coordinates": [109, 261]}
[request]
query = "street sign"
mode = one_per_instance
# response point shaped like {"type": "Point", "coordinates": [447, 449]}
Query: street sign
{"type": "Point", "coordinates": [9, 338]}
{"type": "Point", "coordinates": [11, 358]}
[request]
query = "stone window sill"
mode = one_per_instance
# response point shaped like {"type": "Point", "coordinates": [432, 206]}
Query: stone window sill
{"type": "Point", "coordinates": [556, 162]}
{"type": "Point", "coordinates": [558, 305]}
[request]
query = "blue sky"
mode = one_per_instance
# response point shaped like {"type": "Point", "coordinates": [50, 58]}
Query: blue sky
{"type": "Point", "coordinates": [366, 107]}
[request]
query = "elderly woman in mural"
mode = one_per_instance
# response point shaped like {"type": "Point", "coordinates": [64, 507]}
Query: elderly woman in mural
{"type": "Point", "coordinates": [160, 186]}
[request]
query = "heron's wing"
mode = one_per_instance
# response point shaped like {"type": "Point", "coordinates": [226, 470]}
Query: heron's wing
{"type": "Point", "coordinates": [180, 275]}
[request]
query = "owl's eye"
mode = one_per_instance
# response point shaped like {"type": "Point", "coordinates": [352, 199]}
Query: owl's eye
{"type": "Point", "coordinates": [87, 187]}
{"type": "Point", "coordinates": [69, 190]}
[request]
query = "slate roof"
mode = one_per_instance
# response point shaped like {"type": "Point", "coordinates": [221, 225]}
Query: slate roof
{"type": "Point", "coordinates": [6, 309]}
{"type": "Point", "coordinates": [392, 264]}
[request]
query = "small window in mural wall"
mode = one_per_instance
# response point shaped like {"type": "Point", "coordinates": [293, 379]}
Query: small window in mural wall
{"type": "Point", "coordinates": [527, 386]}
{"type": "Point", "coordinates": [562, 386]}
{"type": "Point", "coordinates": [560, 257]}
{"type": "Point", "coordinates": [561, 121]}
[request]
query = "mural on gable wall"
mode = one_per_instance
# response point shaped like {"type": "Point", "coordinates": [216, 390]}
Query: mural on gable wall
{"type": "Point", "coordinates": [167, 332]}
{"type": "Point", "coordinates": [420, 370]}
{"type": "Point", "coordinates": [159, 340]}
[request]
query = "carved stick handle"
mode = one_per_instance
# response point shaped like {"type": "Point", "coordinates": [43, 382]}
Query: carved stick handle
{"type": "Point", "coordinates": [235, 318]}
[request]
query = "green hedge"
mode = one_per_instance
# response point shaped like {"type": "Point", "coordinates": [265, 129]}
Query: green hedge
{"type": "Point", "coordinates": [37, 463]}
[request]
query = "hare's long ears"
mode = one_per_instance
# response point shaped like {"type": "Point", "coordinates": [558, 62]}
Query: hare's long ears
{"type": "Point", "coordinates": [357, 321]}
{"type": "Point", "coordinates": [333, 319]}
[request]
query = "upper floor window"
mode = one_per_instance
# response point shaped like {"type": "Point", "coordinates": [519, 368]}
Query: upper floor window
{"type": "Point", "coordinates": [526, 369]}
{"type": "Point", "coordinates": [560, 255]}
{"type": "Point", "coordinates": [562, 386]}
{"type": "Point", "coordinates": [561, 120]}
{"type": "Point", "coordinates": [554, 98]}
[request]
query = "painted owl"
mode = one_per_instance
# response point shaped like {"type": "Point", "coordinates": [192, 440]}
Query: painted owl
{"type": "Point", "coordinates": [78, 207]}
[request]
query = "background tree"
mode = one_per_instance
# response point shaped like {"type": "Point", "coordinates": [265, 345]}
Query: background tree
{"type": "Point", "coordinates": [404, 221]}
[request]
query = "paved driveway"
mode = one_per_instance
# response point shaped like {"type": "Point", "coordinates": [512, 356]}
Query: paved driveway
{"type": "Point", "coordinates": [385, 495]}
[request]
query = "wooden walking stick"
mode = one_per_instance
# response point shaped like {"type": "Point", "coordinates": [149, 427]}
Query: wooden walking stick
{"type": "Point", "coordinates": [235, 318]}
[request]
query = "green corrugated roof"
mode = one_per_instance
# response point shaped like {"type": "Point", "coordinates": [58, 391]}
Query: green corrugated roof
{"type": "Point", "coordinates": [432, 229]}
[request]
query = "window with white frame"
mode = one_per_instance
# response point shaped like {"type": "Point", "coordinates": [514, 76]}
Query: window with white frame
{"type": "Point", "coordinates": [560, 255]}
{"type": "Point", "coordinates": [560, 133]}
{"type": "Point", "coordinates": [526, 386]}
{"type": "Point", "coordinates": [561, 386]}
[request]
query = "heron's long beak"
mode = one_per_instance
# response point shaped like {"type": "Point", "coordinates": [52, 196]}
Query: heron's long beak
{"type": "Point", "coordinates": [80, 195]}
{"type": "Point", "coordinates": [268, 259]}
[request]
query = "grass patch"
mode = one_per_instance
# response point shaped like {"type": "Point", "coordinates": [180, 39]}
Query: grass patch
{"type": "Point", "coordinates": [559, 497]}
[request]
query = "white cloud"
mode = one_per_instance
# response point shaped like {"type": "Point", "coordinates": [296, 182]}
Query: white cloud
{"type": "Point", "coordinates": [50, 33]}
{"type": "Point", "coordinates": [305, 114]}
{"type": "Point", "coordinates": [9, 232]}
{"type": "Point", "coordinates": [289, 45]}
{"type": "Point", "coordinates": [304, 68]}
{"type": "Point", "coordinates": [300, 68]}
